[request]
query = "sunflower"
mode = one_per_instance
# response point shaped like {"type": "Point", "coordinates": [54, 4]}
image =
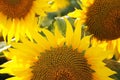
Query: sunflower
{"type": "Point", "coordinates": [103, 21]}
{"type": "Point", "coordinates": [56, 57]}
{"type": "Point", "coordinates": [17, 15]}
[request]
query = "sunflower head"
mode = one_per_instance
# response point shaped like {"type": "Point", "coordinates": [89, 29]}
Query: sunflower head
{"type": "Point", "coordinates": [17, 17]}
{"type": "Point", "coordinates": [12, 2]}
{"type": "Point", "coordinates": [62, 63]}
{"type": "Point", "coordinates": [103, 19]}
{"type": "Point", "coordinates": [15, 8]}
{"type": "Point", "coordinates": [57, 57]}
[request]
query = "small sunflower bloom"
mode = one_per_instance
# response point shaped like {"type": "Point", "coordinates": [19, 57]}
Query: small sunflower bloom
{"type": "Point", "coordinates": [102, 19]}
{"type": "Point", "coordinates": [56, 57]}
{"type": "Point", "coordinates": [17, 15]}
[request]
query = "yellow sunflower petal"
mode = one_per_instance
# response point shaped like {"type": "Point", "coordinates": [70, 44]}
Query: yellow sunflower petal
{"type": "Point", "coordinates": [59, 37]}
{"type": "Point", "coordinates": [69, 32]}
{"type": "Point", "coordinates": [15, 78]}
{"type": "Point", "coordinates": [118, 45]}
{"type": "Point", "coordinates": [59, 4]}
{"type": "Point", "coordinates": [87, 3]}
{"type": "Point", "coordinates": [76, 37]}
{"type": "Point", "coordinates": [50, 37]}
{"type": "Point", "coordinates": [96, 53]}
{"type": "Point", "coordinates": [75, 14]}
{"type": "Point", "coordinates": [40, 40]}
{"type": "Point", "coordinates": [17, 32]}
{"type": "Point", "coordinates": [84, 43]}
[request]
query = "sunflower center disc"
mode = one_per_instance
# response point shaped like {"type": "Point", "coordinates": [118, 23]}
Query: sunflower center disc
{"type": "Point", "coordinates": [12, 2]}
{"type": "Point", "coordinates": [118, 21]}
{"type": "Point", "coordinates": [62, 63]}
{"type": "Point", "coordinates": [15, 8]}
{"type": "Point", "coordinates": [103, 19]}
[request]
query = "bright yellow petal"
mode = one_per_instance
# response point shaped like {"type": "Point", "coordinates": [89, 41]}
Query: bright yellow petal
{"type": "Point", "coordinates": [87, 3]}
{"type": "Point", "coordinates": [118, 45]}
{"type": "Point", "coordinates": [14, 78]}
{"type": "Point", "coordinates": [97, 53]}
{"type": "Point", "coordinates": [25, 49]}
{"type": "Point", "coordinates": [84, 43]}
{"type": "Point", "coordinates": [50, 37]}
{"type": "Point", "coordinates": [69, 33]}
{"type": "Point", "coordinates": [59, 37]}
{"type": "Point", "coordinates": [76, 13]}
{"type": "Point", "coordinates": [32, 45]}
{"type": "Point", "coordinates": [41, 41]}
{"type": "Point", "coordinates": [76, 37]}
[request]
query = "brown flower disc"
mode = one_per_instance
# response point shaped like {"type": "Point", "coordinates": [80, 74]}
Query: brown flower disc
{"type": "Point", "coordinates": [62, 63]}
{"type": "Point", "coordinates": [15, 8]}
{"type": "Point", "coordinates": [103, 19]}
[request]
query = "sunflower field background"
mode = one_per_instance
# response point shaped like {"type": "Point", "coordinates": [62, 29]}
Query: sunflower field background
{"type": "Point", "coordinates": [21, 32]}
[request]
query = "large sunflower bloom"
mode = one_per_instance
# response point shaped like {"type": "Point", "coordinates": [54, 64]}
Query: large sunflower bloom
{"type": "Point", "coordinates": [56, 57]}
{"type": "Point", "coordinates": [17, 17]}
{"type": "Point", "coordinates": [103, 21]}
